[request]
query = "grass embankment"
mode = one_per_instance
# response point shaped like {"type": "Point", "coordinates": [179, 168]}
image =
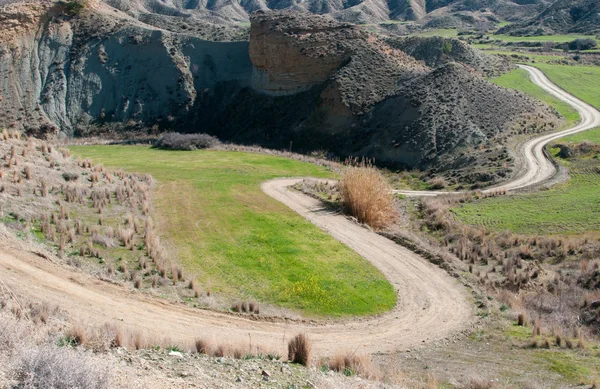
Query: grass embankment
{"type": "Point", "coordinates": [569, 208]}
{"type": "Point", "coordinates": [242, 243]}
{"type": "Point", "coordinates": [519, 79]}
{"type": "Point", "coordinates": [581, 81]}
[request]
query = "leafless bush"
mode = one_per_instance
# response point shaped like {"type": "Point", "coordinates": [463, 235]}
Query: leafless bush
{"type": "Point", "coordinates": [299, 349]}
{"type": "Point", "coordinates": [367, 195]}
{"type": "Point", "coordinates": [177, 141]}
{"type": "Point", "coordinates": [352, 364]}
{"type": "Point", "coordinates": [49, 366]}
{"type": "Point", "coordinates": [437, 183]}
{"type": "Point", "coordinates": [103, 240]}
{"type": "Point", "coordinates": [202, 346]}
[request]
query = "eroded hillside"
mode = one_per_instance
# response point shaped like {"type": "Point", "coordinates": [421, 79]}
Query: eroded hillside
{"type": "Point", "coordinates": [305, 82]}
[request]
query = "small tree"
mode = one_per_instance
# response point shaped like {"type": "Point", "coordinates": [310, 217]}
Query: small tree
{"type": "Point", "coordinates": [74, 7]}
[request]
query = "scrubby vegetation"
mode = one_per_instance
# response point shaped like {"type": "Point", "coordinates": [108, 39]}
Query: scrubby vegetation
{"type": "Point", "coordinates": [177, 141]}
{"type": "Point", "coordinates": [299, 350]}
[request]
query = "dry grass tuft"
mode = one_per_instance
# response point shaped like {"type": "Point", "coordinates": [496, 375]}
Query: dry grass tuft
{"type": "Point", "coordinates": [76, 335]}
{"type": "Point", "coordinates": [351, 364]}
{"type": "Point", "coordinates": [138, 341]}
{"type": "Point", "coordinates": [220, 351]}
{"type": "Point", "coordinates": [367, 195]}
{"type": "Point", "coordinates": [202, 346]}
{"type": "Point", "coordinates": [299, 350]}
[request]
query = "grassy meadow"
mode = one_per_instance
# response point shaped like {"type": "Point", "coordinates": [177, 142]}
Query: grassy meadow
{"type": "Point", "coordinates": [519, 79]}
{"type": "Point", "coordinates": [581, 81]}
{"type": "Point", "coordinates": [239, 242]}
{"type": "Point", "coordinates": [568, 208]}
{"type": "Point", "coordinates": [572, 207]}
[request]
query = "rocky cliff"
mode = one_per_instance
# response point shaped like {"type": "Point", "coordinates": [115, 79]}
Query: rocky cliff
{"type": "Point", "coordinates": [302, 80]}
{"type": "Point", "coordinates": [97, 67]}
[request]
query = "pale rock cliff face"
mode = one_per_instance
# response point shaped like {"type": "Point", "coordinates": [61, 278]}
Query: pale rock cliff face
{"type": "Point", "coordinates": [291, 57]}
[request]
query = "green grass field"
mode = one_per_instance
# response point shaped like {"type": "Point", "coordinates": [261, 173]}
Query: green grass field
{"type": "Point", "coordinates": [542, 38]}
{"type": "Point", "coordinates": [589, 136]}
{"type": "Point", "coordinates": [519, 79]}
{"type": "Point", "coordinates": [581, 81]}
{"type": "Point", "coordinates": [238, 241]}
{"type": "Point", "coordinates": [569, 208]}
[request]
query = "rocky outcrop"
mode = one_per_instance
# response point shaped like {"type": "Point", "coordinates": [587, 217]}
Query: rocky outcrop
{"type": "Point", "coordinates": [292, 54]}
{"type": "Point", "coordinates": [94, 68]}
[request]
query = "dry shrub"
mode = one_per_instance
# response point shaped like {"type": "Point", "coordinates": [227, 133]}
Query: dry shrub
{"type": "Point", "coordinates": [351, 364]}
{"type": "Point", "coordinates": [119, 339]}
{"type": "Point", "coordinates": [367, 195]}
{"type": "Point", "coordinates": [40, 313]}
{"type": "Point", "coordinates": [202, 346]}
{"type": "Point", "coordinates": [76, 335]}
{"type": "Point", "coordinates": [220, 351]}
{"type": "Point", "coordinates": [437, 183]}
{"type": "Point", "coordinates": [237, 353]}
{"type": "Point", "coordinates": [103, 240]}
{"type": "Point", "coordinates": [236, 307]}
{"type": "Point", "coordinates": [49, 366]}
{"type": "Point", "coordinates": [138, 340]}
{"type": "Point", "coordinates": [137, 281]}
{"type": "Point", "coordinates": [299, 349]}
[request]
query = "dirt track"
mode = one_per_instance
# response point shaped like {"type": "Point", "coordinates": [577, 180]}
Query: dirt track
{"type": "Point", "coordinates": [536, 168]}
{"type": "Point", "coordinates": [431, 304]}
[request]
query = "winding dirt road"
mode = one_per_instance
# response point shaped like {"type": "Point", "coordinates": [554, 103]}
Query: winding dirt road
{"type": "Point", "coordinates": [536, 167]}
{"type": "Point", "coordinates": [431, 306]}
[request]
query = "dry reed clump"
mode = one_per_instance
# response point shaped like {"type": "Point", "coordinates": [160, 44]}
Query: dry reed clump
{"type": "Point", "coordinates": [202, 346]}
{"type": "Point", "coordinates": [76, 335]}
{"type": "Point", "coordinates": [352, 364]}
{"type": "Point", "coordinates": [506, 261]}
{"type": "Point", "coordinates": [243, 306]}
{"type": "Point", "coordinates": [299, 350]}
{"type": "Point", "coordinates": [367, 195]}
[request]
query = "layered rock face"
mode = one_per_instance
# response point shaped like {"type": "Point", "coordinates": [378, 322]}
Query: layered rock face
{"type": "Point", "coordinates": [69, 71]}
{"type": "Point", "coordinates": [291, 55]}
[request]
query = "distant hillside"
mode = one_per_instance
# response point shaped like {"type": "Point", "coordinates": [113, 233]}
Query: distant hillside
{"type": "Point", "coordinates": [437, 51]}
{"type": "Point", "coordinates": [563, 16]}
{"type": "Point", "coordinates": [434, 13]}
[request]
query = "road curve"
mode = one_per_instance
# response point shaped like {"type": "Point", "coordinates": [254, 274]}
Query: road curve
{"type": "Point", "coordinates": [537, 168]}
{"type": "Point", "coordinates": [431, 305]}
